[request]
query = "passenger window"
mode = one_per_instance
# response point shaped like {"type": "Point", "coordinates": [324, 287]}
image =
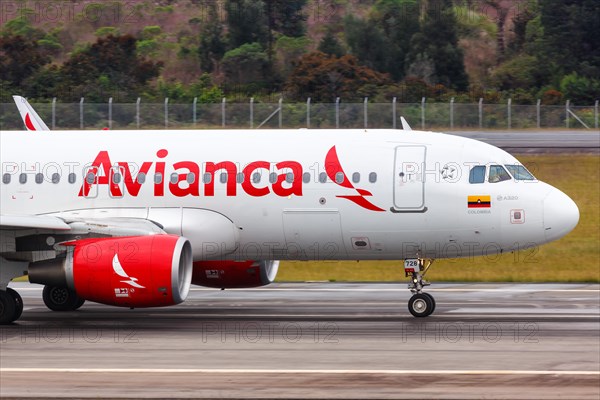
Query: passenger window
{"type": "Point", "coordinates": [323, 177]}
{"type": "Point", "coordinates": [207, 178]}
{"type": "Point", "coordinates": [272, 177]}
{"type": "Point", "coordinates": [39, 178]}
{"type": "Point", "coordinates": [240, 177]}
{"type": "Point", "coordinates": [23, 179]}
{"type": "Point", "coordinates": [256, 177]}
{"type": "Point", "coordinates": [373, 177]}
{"type": "Point", "coordinates": [356, 177]}
{"type": "Point", "coordinates": [6, 179]}
{"type": "Point", "coordinates": [72, 177]}
{"type": "Point", "coordinates": [289, 177]}
{"type": "Point", "coordinates": [223, 177]}
{"type": "Point", "coordinates": [477, 174]}
{"type": "Point", "coordinates": [141, 178]}
{"type": "Point", "coordinates": [339, 177]}
{"type": "Point", "coordinates": [306, 177]}
{"type": "Point", "coordinates": [117, 178]}
{"type": "Point", "coordinates": [174, 178]}
{"type": "Point", "coordinates": [158, 178]}
{"type": "Point", "coordinates": [498, 174]}
{"type": "Point", "coordinates": [55, 178]}
{"type": "Point", "coordinates": [191, 178]}
{"type": "Point", "coordinates": [90, 178]}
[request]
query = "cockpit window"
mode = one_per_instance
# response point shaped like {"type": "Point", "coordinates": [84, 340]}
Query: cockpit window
{"type": "Point", "coordinates": [498, 174]}
{"type": "Point", "coordinates": [520, 173]}
{"type": "Point", "coordinates": [477, 174]}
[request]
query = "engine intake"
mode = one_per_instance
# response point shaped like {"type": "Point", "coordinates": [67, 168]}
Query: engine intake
{"type": "Point", "coordinates": [138, 271]}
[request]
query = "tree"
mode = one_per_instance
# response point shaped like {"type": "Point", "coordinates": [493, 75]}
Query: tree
{"type": "Point", "coordinates": [330, 45]}
{"type": "Point", "coordinates": [245, 64]}
{"type": "Point", "coordinates": [323, 78]}
{"type": "Point", "coordinates": [212, 46]}
{"type": "Point", "coordinates": [110, 64]}
{"type": "Point", "coordinates": [246, 22]}
{"type": "Point", "coordinates": [19, 59]}
{"type": "Point", "coordinates": [286, 16]}
{"type": "Point", "coordinates": [437, 41]}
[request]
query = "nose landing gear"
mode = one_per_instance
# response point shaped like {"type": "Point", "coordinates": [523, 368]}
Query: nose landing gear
{"type": "Point", "coordinates": [421, 304]}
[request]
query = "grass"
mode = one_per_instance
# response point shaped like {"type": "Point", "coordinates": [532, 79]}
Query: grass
{"type": "Point", "coordinates": [574, 258]}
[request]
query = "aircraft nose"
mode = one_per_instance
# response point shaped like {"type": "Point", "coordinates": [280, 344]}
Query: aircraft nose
{"type": "Point", "coordinates": [561, 215]}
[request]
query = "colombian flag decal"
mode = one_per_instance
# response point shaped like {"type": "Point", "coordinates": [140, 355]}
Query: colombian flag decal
{"type": "Point", "coordinates": [480, 202]}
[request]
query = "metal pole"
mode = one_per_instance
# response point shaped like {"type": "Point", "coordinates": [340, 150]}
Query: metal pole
{"type": "Point", "coordinates": [54, 113]}
{"type": "Point", "coordinates": [110, 101]}
{"type": "Point", "coordinates": [596, 114]}
{"type": "Point", "coordinates": [539, 113]}
{"type": "Point", "coordinates": [423, 113]}
{"type": "Point", "coordinates": [223, 105]}
{"type": "Point", "coordinates": [394, 125]}
{"type": "Point", "coordinates": [137, 112]}
{"type": "Point", "coordinates": [166, 112]}
{"type": "Point", "coordinates": [308, 113]}
{"type": "Point", "coordinates": [81, 113]}
{"type": "Point", "coordinates": [337, 113]}
{"type": "Point", "coordinates": [452, 113]}
{"type": "Point", "coordinates": [366, 112]}
{"type": "Point", "coordinates": [194, 111]}
{"type": "Point", "coordinates": [567, 113]}
{"type": "Point", "coordinates": [481, 113]}
{"type": "Point", "coordinates": [251, 112]}
{"type": "Point", "coordinates": [509, 113]}
{"type": "Point", "coordinates": [280, 112]}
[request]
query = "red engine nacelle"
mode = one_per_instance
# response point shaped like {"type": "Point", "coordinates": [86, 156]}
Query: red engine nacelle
{"type": "Point", "coordinates": [226, 274]}
{"type": "Point", "coordinates": [140, 271]}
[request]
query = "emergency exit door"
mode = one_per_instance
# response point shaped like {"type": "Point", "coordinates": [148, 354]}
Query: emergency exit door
{"type": "Point", "coordinates": [409, 179]}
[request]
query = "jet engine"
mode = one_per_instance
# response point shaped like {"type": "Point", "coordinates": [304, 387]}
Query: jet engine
{"type": "Point", "coordinates": [226, 274]}
{"type": "Point", "coordinates": [138, 271]}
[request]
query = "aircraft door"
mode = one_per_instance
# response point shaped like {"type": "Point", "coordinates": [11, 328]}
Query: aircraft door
{"type": "Point", "coordinates": [409, 179]}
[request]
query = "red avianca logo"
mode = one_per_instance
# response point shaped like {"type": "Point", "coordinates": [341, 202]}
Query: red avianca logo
{"type": "Point", "coordinates": [103, 172]}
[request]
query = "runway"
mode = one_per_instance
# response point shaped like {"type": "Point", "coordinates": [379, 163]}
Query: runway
{"type": "Point", "coordinates": [314, 340]}
{"type": "Point", "coordinates": [542, 141]}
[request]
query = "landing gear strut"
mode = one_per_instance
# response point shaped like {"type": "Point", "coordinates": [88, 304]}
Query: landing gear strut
{"type": "Point", "coordinates": [421, 304]}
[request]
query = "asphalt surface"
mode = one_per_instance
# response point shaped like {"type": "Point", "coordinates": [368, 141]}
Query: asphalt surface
{"type": "Point", "coordinates": [543, 141]}
{"type": "Point", "coordinates": [314, 340]}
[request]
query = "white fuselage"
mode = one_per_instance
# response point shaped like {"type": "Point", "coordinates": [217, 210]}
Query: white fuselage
{"type": "Point", "coordinates": [387, 194]}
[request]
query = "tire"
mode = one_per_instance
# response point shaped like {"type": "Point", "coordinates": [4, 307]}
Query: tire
{"type": "Point", "coordinates": [18, 303]}
{"type": "Point", "coordinates": [8, 308]}
{"type": "Point", "coordinates": [79, 303]}
{"type": "Point", "coordinates": [432, 301]}
{"type": "Point", "coordinates": [60, 298]}
{"type": "Point", "coordinates": [420, 305]}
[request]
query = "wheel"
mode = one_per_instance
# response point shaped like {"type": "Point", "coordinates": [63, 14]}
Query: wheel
{"type": "Point", "coordinates": [8, 308]}
{"type": "Point", "coordinates": [79, 303]}
{"type": "Point", "coordinates": [432, 301]}
{"type": "Point", "coordinates": [60, 298]}
{"type": "Point", "coordinates": [18, 303]}
{"type": "Point", "coordinates": [420, 305]}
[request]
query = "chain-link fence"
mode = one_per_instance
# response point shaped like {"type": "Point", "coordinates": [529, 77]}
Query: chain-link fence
{"type": "Point", "coordinates": [255, 115]}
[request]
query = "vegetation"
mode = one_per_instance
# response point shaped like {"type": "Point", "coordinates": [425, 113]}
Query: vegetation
{"type": "Point", "coordinates": [496, 49]}
{"type": "Point", "coordinates": [574, 258]}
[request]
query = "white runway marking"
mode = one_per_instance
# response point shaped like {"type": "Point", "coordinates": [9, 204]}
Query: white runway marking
{"type": "Point", "coordinates": [293, 371]}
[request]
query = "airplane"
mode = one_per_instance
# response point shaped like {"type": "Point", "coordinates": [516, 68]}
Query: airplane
{"type": "Point", "coordinates": [134, 218]}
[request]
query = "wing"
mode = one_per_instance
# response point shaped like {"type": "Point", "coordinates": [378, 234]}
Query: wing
{"type": "Point", "coordinates": [44, 222]}
{"type": "Point", "coordinates": [31, 119]}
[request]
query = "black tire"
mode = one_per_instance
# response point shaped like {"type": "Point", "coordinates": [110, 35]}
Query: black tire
{"type": "Point", "coordinates": [8, 308]}
{"type": "Point", "coordinates": [432, 301]}
{"type": "Point", "coordinates": [18, 303]}
{"type": "Point", "coordinates": [420, 305]}
{"type": "Point", "coordinates": [79, 303]}
{"type": "Point", "coordinates": [60, 298]}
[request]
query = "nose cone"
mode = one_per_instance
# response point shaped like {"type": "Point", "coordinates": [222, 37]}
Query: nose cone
{"type": "Point", "coordinates": [561, 215]}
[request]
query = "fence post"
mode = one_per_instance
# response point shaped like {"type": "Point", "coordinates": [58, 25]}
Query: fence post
{"type": "Point", "coordinates": [596, 114]}
{"type": "Point", "coordinates": [538, 112]}
{"type": "Point", "coordinates": [308, 113]}
{"type": "Point", "coordinates": [166, 112]}
{"type": "Point", "coordinates": [110, 101]}
{"type": "Point", "coordinates": [280, 112]}
{"type": "Point", "coordinates": [394, 125]}
{"type": "Point", "coordinates": [223, 105]}
{"type": "Point", "coordinates": [137, 112]}
{"type": "Point", "coordinates": [81, 113]}
{"type": "Point", "coordinates": [423, 113]}
{"type": "Point", "coordinates": [251, 112]}
{"type": "Point", "coordinates": [452, 113]}
{"type": "Point", "coordinates": [365, 111]}
{"type": "Point", "coordinates": [509, 113]}
{"type": "Point", "coordinates": [337, 113]}
{"type": "Point", "coordinates": [481, 113]}
{"type": "Point", "coordinates": [54, 113]}
{"type": "Point", "coordinates": [568, 103]}
{"type": "Point", "coordinates": [194, 111]}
